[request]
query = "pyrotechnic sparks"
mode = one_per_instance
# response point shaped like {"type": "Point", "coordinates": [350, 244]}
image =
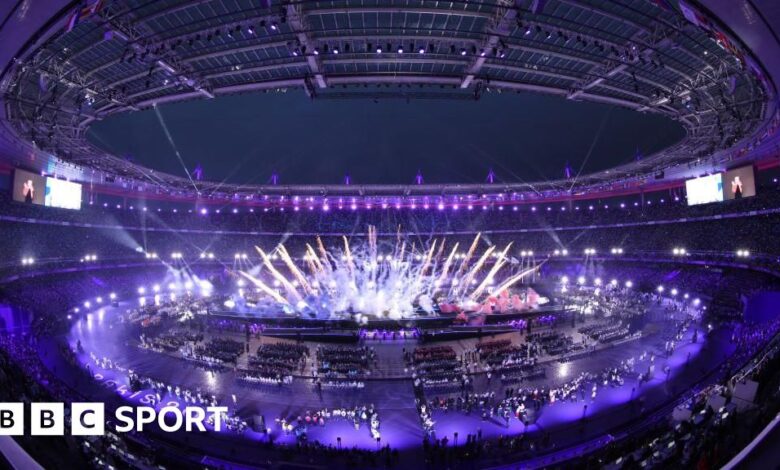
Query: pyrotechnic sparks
{"type": "Point", "coordinates": [359, 280]}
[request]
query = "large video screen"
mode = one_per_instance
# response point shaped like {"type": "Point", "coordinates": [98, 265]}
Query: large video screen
{"type": "Point", "coordinates": [28, 187]}
{"type": "Point", "coordinates": [705, 189]}
{"type": "Point", "coordinates": [63, 194]}
{"type": "Point", "coordinates": [739, 183]}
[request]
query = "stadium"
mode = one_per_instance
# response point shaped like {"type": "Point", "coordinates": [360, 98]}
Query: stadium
{"type": "Point", "coordinates": [494, 234]}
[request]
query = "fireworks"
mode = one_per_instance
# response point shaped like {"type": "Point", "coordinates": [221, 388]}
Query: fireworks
{"type": "Point", "coordinates": [405, 282]}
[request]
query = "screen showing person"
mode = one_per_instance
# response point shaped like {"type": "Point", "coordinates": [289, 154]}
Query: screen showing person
{"type": "Point", "coordinates": [705, 189]}
{"type": "Point", "coordinates": [28, 187]}
{"type": "Point", "coordinates": [739, 183]}
{"type": "Point", "coordinates": [63, 194]}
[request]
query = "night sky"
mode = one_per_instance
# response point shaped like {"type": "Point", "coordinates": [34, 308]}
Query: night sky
{"type": "Point", "coordinates": [522, 137]}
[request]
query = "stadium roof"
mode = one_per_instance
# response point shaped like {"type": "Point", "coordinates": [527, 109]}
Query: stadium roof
{"type": "Point", "coordinates": [128, 55]}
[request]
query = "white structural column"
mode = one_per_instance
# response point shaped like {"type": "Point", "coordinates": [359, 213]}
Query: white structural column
{"type": "Point", "coordinates": [502, 26]}
{"type": "Point", "coordinates": [297, 22]}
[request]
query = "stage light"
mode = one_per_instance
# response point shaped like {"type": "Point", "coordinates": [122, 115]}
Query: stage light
{"type": "Point", "coordinates": [696, 302]}
{"type": "Point", "coordinates": [141, 291]}
{"type": "Point", "coordinates": [581, 280]}
{"type": "Point", "coordinates": [156, 287]}
{"type": "Point", "coordinates": [99, 300]}
{"type": "Point", "coordinates": [87, 304]}
{"type": "Point", "coordinates": [188, 285]}
{"type": "Point", "coordinates": [673, 292]}
{"type": "Point", "coordinates": [597, 281]}
{"type": "Point", "coordinates": [112, 296]}
{"type": "Point", "coordinates": [660, 289]}
{"type": "Point", "coordinates": [565, 280]}
{"type": "Point", "coordinates": [613, 282]}
{"type": "Point", "coordinates": [629, 284]}
{"type": "Point", "coordinates": [679, 252]}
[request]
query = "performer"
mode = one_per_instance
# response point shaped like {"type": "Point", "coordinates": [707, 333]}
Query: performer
{"type": "Point", "coordinates": [29, 191]}
{"type": "Point", "coordinates": [736, 187]}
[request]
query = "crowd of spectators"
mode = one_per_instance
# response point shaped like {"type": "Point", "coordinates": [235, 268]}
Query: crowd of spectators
{"type": "Point", "coordinates": [606, 332]}
{"type": "Point", "coordinates": [276, 363]}
{"type": "Point", "coordinates": [345, 361]}
{"type": "Point", "coordinates": [31, 231]}
{"type": "Point", "coordinates": [217, 352]}
{"type": "Point", "coordinates": [436, 367]}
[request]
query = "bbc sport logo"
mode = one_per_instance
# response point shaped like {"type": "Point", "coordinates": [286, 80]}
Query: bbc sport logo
{"type": "Point", "coordinates": [88, 418]}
